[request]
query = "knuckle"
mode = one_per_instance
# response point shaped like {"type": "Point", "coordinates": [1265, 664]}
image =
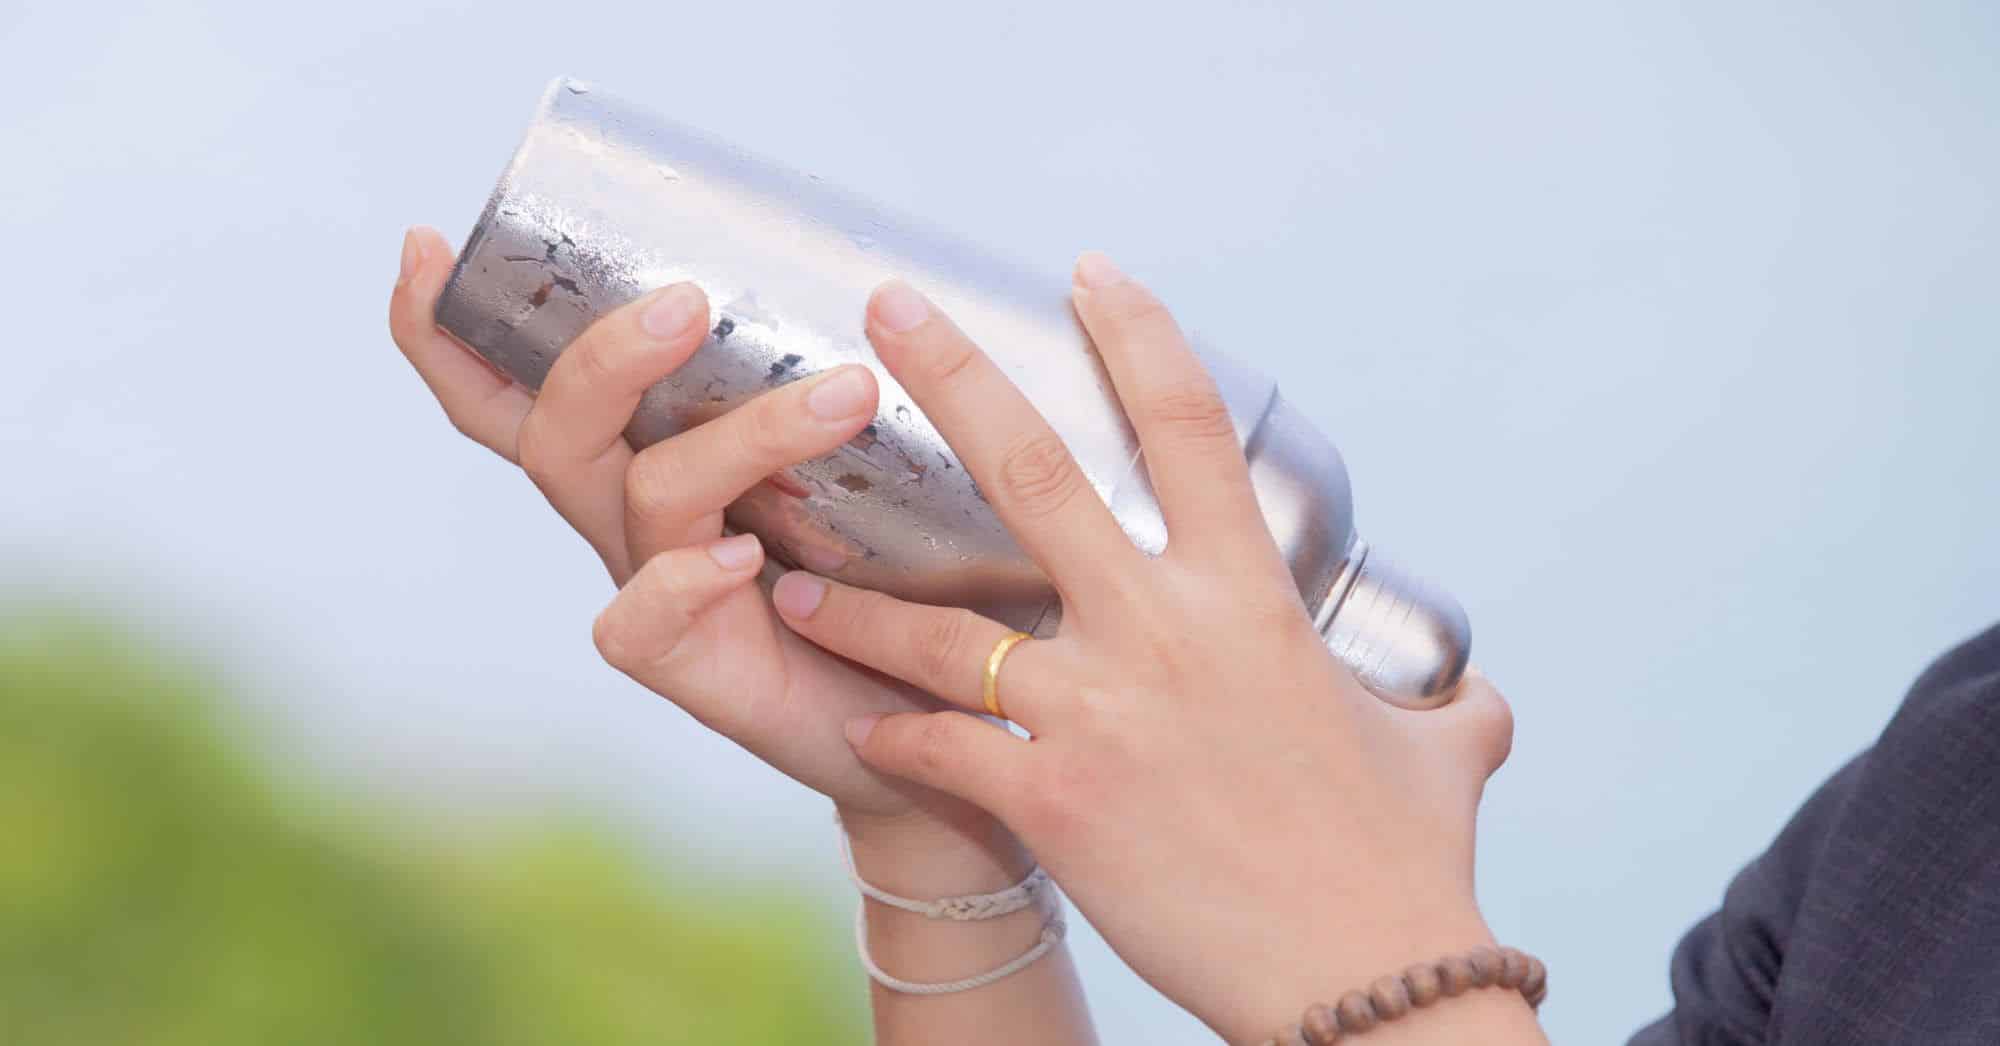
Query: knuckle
{"type": "Point", "coordinates": [1493, 726]}
{"type": "Point", "coordinates": [532, 450]}
{"type": "Point", "coordinates": [1117, 598]}
{"type": "Point", "coordinates": [648, 488]}
{"type": "Point", "coordinates": [940, 642]}
{"type": "Point", "coordinates": [1079, 784]}
{"type": "Point", "coordinates": [1159, 640]}
{"type": "Point", "coordinates": [943, 362]}
{"type": "Point", "coordinates": [856, 613]}
{"type": "Point", "coordinates": [591, 363]}
{"type": "Point", "coordinates": [762, 432]}
{"type": "Point", "coordinates": [1281, 616]}
{"type": "Point", "coordinates": [407, 313]}
{"type": "Point", "coordinates": [1193, 407]}
{"type": "Point", "coordinates": [462, 425]}
{"type": "Point", "coordinates": [1040, 806]}
{"type": "Point", "coordinates": [612, 637]}
{"type": "Point", "coordinates": [930, 748]}
{"type": "Point", "coordinates": [1092, 712]}
{"type": "Point", "coordinates": [1056, 801]}
{"type": "Point", "coordinates": [1130, 304]}
{"type": "Point", "coordinates": [1038, 475]}
{"type": "Point", "coordinates": [641, 632]}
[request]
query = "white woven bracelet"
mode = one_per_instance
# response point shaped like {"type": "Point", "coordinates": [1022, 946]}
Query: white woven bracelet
{"type": "Point", "coordinates": [1030, 890]}
{"type": "Point", "coordinates": [969, 908]}
{"type": "Point", "coordinates": [1052, 935]}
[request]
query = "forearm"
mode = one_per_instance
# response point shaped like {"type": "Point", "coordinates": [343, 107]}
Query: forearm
{"type": "Point", "coordinates": [1040, 1004]}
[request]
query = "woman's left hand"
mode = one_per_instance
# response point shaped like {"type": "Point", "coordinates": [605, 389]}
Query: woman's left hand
{"type": "Point", "coordinates": [1249, 828]}
{"type": "Point", "coordinates": [690, 622]}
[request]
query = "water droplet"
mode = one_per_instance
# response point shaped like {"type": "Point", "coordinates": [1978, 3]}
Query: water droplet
{"type": "Point", "coordinates": [669, 173]}
{"type": "Point", "coordinates": [577, 86]}
{"type": "Point", "coordinates": [902, 412]}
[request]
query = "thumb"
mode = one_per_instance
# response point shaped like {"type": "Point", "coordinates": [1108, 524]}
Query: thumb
{"type": "Point", "coordinates": [641, 632]}
{"type": "Point", "coordinates": [1478, 723]}
{"type": "Point", "coordinates": [954, 752]}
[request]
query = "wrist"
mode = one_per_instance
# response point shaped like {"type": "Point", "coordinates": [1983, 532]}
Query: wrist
{"type": "Point", "coordinates": [931, 856]}
{"type": "Point", "coordinates": [1319, 960]}
{"type": "Point", "coordinates": [935, 853]}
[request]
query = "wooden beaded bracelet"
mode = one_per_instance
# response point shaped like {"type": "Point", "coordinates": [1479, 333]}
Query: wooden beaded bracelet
{"type": "Point", "coordinates": [1419, 986]}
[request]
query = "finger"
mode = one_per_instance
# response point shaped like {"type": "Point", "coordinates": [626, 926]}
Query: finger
{"type": "Point", "coordinates": [572, 441]}
{"type": "Point", "coordinates": [1478, 723]}
{"type": "Point", "coordinates": [1021, 465]}
{"type": "Point", "coordinates": [1193, 453]}
{"type": "Point", "coordinates": [939, 650]}
{"type": "Point", "coordinates": [641, 632]}
{"type": "Point", "coordinates": [952, 752]}
{"type": "Point", "coordinates": [481, 402]}
{"type": "Point", "coordinates": [1483, 719]}
{"type": "Point", "coordinates": [593, 387]}
{"type": "Point", "coordinates": [675, 490]}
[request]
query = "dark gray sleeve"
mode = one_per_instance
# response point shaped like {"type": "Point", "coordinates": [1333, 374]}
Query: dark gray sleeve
{"type": "Point", "coordinates": [1725, 972]}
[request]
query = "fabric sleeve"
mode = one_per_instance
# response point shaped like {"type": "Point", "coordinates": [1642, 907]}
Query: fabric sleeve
{"type": "Point", "coordinates": [1725, 971]}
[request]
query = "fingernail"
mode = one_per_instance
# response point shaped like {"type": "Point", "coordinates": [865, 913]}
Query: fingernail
{"type": "Point", "coordinates": [797, 594]}
{"type": "Point", "coordinates": [672, 311]}
{"type": "Point", "coordinates": [735, 552]}
{"type": "Point", "coordinates": [821, 560]}
{"type": "Point", "coordinates": [842, 394]}
{"type": "Point", "coordinates": [1094, 269]}
{"type": "Point", "coordinates": [857, 730]}
{"type": "Point", "coordinates": [413, 252]}
{"type": "Point", "coordinates": [900, 308]}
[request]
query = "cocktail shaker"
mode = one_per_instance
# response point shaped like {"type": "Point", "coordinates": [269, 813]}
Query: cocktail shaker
{"type": "Point", "coordinates": [604, 201]}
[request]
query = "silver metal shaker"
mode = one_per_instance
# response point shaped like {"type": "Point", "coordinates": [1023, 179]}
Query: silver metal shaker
{"type": "Point", "coordinates": [603, 202]}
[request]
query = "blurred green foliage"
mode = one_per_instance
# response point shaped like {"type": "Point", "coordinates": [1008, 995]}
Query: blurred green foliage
{"type": "Point", "coordinates": [159, 885]}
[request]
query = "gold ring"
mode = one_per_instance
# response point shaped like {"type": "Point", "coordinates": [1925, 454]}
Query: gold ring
{"type": "Point", "coordinates": [991, 691]}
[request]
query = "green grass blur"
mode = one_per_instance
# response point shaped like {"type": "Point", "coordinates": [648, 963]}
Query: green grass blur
{"type": "Point", "coordinates": [160, 885]}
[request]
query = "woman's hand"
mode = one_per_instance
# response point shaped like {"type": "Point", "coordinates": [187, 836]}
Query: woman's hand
{"type": "Point", "coordinates": [690, 623]}
{"type": "Point", "coordinates": [1250, 829]}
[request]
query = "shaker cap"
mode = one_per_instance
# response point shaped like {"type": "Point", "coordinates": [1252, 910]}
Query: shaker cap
{"type": "Point", "coordinates": [1404, 638]}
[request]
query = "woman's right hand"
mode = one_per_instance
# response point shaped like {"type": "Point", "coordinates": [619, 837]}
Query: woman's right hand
{"type": "Point", "coordinates": [1249, 828]}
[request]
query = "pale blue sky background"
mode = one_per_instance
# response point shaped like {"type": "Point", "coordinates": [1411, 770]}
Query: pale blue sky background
{"type": "Point", "coordinates": [1664, 333]}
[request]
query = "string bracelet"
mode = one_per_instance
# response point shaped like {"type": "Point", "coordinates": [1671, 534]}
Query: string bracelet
{"type": "Point", "coordinates": [1397, 996]}
{"type": "Point", "coordinates": [1034, 890]}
